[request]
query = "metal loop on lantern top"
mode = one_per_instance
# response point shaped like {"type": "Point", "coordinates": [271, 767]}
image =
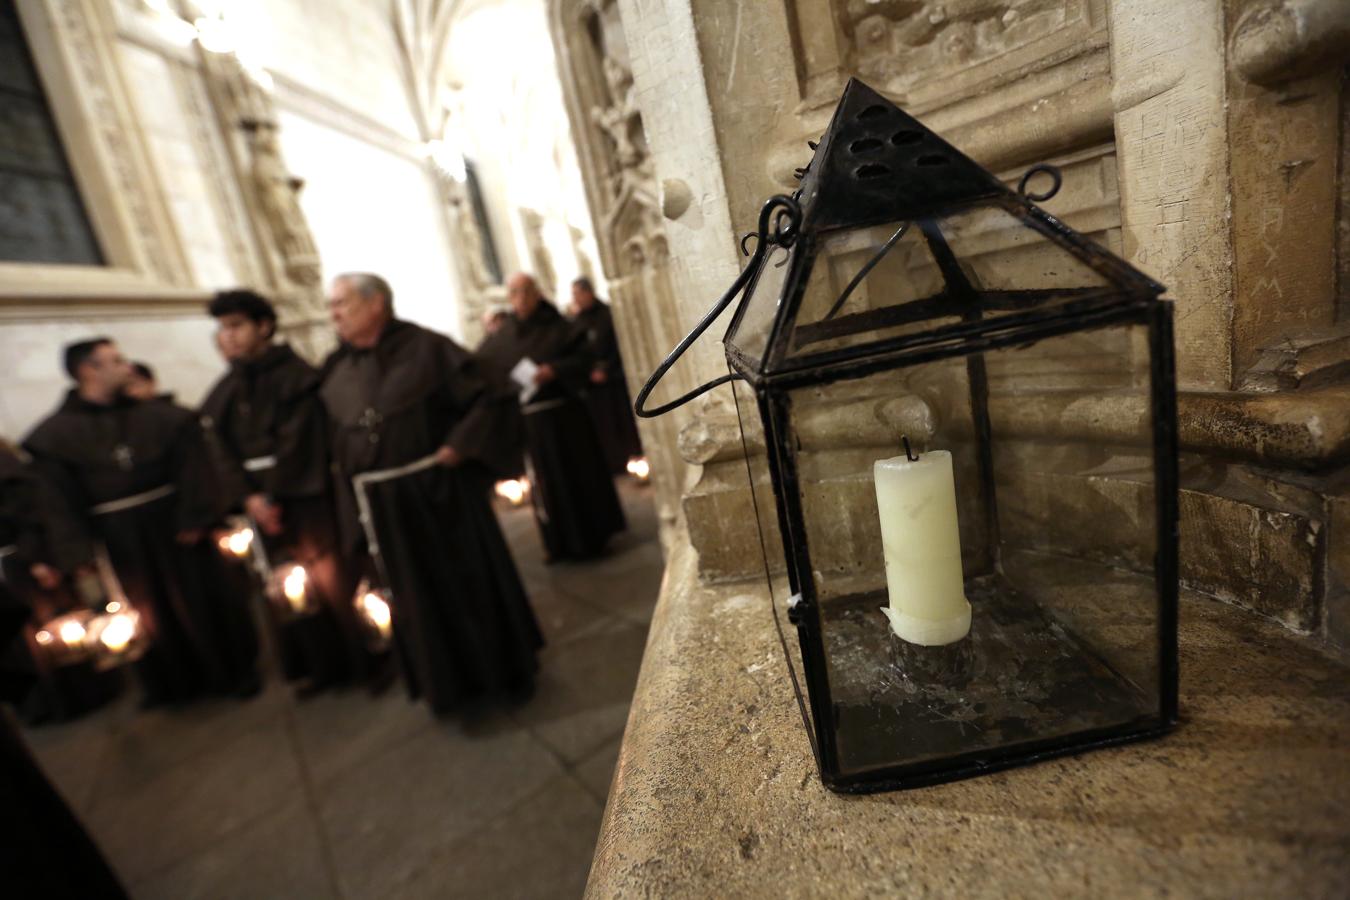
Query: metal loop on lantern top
{"type": "Point", "coordinates": [1039, 168]}
{"type": "Point", "coordinates": [779, 220]}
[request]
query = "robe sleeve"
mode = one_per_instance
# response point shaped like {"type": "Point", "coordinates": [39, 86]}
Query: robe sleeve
{"type": "Point", "coordinates": [21, 504]}
{"type": "Point", "coordinates": [61, 506]}
{"type": "Point", "coordinates": [572, 359]}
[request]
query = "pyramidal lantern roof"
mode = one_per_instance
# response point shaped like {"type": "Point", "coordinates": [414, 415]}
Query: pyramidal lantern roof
{"type": "Point", "coordinates": [875, 159]}
{"type": "Point", "coordinates": [904, 241]}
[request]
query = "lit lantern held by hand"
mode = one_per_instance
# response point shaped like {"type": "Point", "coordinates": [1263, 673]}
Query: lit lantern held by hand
{"type": "Point", "coordinates": [514, 490]}
{"type": "Point", "coordinates": [294, 587]}
{"type": "Point", "coordinates": [63, 639]}
{"type": "Point", "coordinates": [238, 542]}
{"type": "Point", "coordinates": [373, 607]}
{"type": "Point", "coordinates": [639, 468]}
{"type": "Point", "coordinates": [116, 636]}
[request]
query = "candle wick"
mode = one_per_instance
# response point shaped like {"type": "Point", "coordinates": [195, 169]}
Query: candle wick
{"type": "Point", "coordinates": [909, 454]}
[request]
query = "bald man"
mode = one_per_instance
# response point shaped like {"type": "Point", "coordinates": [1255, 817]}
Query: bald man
{"type": "Point", "coordinates": [548, 361]}
{"type": "Point", "coordinates": [413, 441]}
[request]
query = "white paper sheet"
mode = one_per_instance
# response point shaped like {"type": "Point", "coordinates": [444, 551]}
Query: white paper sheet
{"type": "Point", "coordinates": [523, 375]}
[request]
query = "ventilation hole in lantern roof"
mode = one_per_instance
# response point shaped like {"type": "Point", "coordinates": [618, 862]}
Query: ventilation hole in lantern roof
{"type": "Point", "coordinates": [866, 145]}
{"type": "Point", "coordinates": [874, 111]}
{"type": "Point", "coordinates": [872, 170]}
{"type": "Point", "coordinates": [904, 137]}
{"type": "Point", "coordinates": [932, 159]}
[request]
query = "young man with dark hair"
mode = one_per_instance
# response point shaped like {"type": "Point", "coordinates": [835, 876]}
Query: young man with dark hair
{"type": "Point", "coordinates": [134, 495]}
{"type": "Point", "coordinates": [271, 432]}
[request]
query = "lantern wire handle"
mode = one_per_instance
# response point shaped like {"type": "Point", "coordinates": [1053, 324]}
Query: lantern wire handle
{"type": "Point", "coordinates": [909, 454]}
{"type": "Point", "coordinates": [1039, 168]}
{"type": "Point", "coordinates": [778, 221]}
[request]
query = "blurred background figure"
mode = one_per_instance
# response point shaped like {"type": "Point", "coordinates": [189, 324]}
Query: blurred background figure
{"type": "Point", "coordinates": [141, 383]}
{"type": "Point", "coordinates": [548, 361]}
{"type": "Point", "coordinates": [415, 445]}
{"type": "Point", "coordinates": [41, 688]}
{"type": "Point", "coordinates": [272, 441]}
{"type": "Point", "coordinates": [493, 319]}
{"type": "Point", "coordinates": [45, 851]}
{"type": "Point", "coordinates": [607, 391]}
{"type": "Point", "coordinates": [133, 495]}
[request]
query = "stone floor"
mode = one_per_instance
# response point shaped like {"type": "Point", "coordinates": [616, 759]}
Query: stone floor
{"type": "Point", "coordinates": [351, 795]}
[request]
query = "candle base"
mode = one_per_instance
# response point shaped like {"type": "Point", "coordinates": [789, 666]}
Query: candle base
{"type": "Point", "coordinates": [929, 632]}
{"type": "Point", "coordinates": [944, 665]}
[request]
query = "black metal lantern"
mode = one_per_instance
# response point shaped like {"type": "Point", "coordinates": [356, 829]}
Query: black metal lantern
{"type": "Point", "coordinates": [959, 423]}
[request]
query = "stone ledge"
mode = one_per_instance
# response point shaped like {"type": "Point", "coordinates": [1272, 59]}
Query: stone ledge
{"type": "Point", "coordinates": [716, 794]}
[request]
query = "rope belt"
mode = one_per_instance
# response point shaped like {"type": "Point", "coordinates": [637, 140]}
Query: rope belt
{"type": "Point", "coordinates": [543, 406]}
{"type": "Point", "coordinates": [135, 500]}
{"type": "Point", "coordinates": [359, 483]}
{"type": "Point", "coordinates": [260, 464]}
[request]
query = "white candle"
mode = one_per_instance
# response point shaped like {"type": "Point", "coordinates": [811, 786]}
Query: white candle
{"type": "Point", "coordinates": [916, 500]}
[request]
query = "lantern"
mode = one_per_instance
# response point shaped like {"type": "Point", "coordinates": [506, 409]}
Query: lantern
{"type": "Point", "coordinates": [640, 469]}
{"type": "Point", "coordinates": [65, 639]}
{"type": "Point", "coordinates": [514, 491]}
{"type": "Point", "coordinates": [290, 592]}
{"type": "Point", "coordinates": [116, 635]}
{"type": "Point", "coordinates": [237, 542]}
{"type": "Point", "coordinates": [959, 423]}
{"type": "Point", "coordinates": [375, 612]}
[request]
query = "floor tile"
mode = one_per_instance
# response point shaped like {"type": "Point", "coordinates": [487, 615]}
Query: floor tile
{"type": "Point", "coordinates": [145, 826]}
{"type": "Point", "coordinates": [388, 814]}
{"type": "Point", "coordinates": [279, 856]}
{"type": "Point", "coordinates": [539, 849]}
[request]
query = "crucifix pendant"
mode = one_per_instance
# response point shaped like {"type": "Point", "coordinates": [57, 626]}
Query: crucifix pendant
{"type": "Point", "coordinates": [122, 453]}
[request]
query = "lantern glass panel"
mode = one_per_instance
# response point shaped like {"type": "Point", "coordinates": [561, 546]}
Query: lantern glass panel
{"type": "Point", "coordinates": [866, 285]}
{"type": "Point", "coordinates": [766, 508]}
{"type": "Point", "coordinates": [750, 331]}
{"type": "Point", "coordinates": [1057, 530]}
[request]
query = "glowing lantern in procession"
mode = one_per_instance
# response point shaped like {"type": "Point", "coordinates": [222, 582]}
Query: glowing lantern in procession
{"type": "Point", "coordinates": [514, 490]}
{"type": "Point", "coordinates": [116, 635]}
{"type": "Point", "coordinates": [107, 638]}
{"type": "Point", "coordinates": [373, 608]}
{"type": "Point", "coordinates": [290, 592]}
{"type": "Point", "coordinates": [640, 469]}
{"type": "Point", "coordinates": [238, 541]}
{"type": "Point", "coordinates": [63, 639]}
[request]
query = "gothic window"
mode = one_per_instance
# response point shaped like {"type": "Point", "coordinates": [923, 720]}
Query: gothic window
{"type": "Point", "coordinates": [42, 217]}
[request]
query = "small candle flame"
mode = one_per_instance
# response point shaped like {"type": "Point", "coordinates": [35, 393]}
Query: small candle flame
{"type": "Point", "coordinates": [377, 612]}
{"type": "Point", "coordinates": [294, 587]}
{"type": "Point", "coordinates": [514, 490]}
{"type": "Point", "coordinates": [72, 632]}
{"type": "Point", "coordinates": [639, 468]}
{"type": "Point", "coordinates": [118, 633]}
{"type": "Point", "coordinates": [44, 637]}
{"type": "Point", "coordinates": [238, 542]}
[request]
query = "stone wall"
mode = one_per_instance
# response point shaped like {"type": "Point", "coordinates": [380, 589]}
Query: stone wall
{"type": "Point", "coordinates": [1200, 141]}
